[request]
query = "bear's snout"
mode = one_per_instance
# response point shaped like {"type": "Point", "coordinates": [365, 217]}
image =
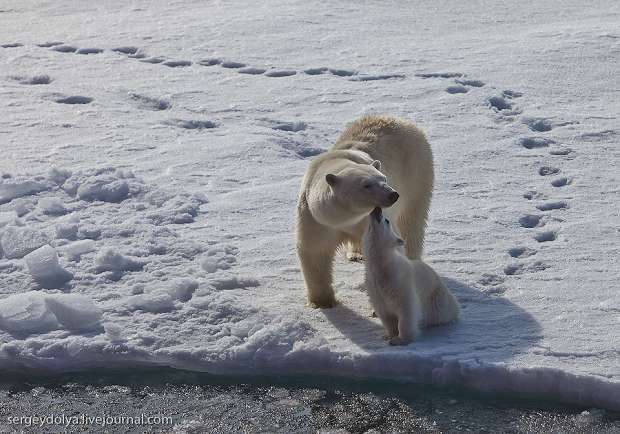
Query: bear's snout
{"type": "Point", "coordinates": [393, 197]}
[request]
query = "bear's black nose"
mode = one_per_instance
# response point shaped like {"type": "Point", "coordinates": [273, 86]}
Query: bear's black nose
{"type": "Point", "coordinates": [393, 197]}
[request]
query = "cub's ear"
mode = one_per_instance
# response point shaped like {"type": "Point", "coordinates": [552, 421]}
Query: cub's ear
{"type": "Point", "coordinates": [376, 164]}
{"type": "Point", "coordinates": [400, 242]}
{"type": "Point", "coordinates": [331, 179]}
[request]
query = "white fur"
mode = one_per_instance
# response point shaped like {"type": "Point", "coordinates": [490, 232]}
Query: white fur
{"type": "Point", "coordinates": [334, 202]}
{"type": "Point", "coordinates": [405, 294]}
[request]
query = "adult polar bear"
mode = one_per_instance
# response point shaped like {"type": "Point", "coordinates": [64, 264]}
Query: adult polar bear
{"type": "Point", "coordinates": [342, 186]}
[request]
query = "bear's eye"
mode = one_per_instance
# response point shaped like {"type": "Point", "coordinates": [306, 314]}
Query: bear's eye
{"type": "Point", "coordinates": [387, 221]}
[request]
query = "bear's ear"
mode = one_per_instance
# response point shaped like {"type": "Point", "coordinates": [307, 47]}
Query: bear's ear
{"type": "Point", "coordinates": [331, 179]}
{"type": "Point", "coordinates": [376, 164]}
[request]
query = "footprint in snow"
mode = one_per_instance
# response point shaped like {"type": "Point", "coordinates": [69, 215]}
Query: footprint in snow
{"type": "Point", "coordinates": [153, 60]}
{"type": "Point", "coordinates": [280, 73]}
{"type": "Point", "coordinates": [342, 72]}
{"type": "Point", "coordinates": [190, 124]}
{"type": "Point", "coordinates": [290, 126]}
{"type": "Point", "coordinates": [64, 48]}
{"type": "Point", "coordinates": [560, 151]}
{"type": "Point", "coordinates": [521, 252]}
{"type": "Point", "coordinates": [231, 64]}
{"type": "Point", "coordinates": [546, 236]}
{"type": "Point", "coordinates": [316, 71]}
{"type": "Point", "coordinates": [511, 94]}
{"type": "Point", "coordinates": [457, 89]}
{"type": "Point", "coordinates": [530, 221]}
{"type": "Point", "coordinates": [49, 44]}
{"type": "Point", "coordinates": [74, 99]}
{"type": "Point", "coordinates": [467, 82]}
{"type": "Point", "coordinates": [219, 258]}
{"type": "Point", "coordinates": [176, 63]}
{"type": "Point", "coordinates": [532, 194]}
{"type": "Point", "coordinates": [211, 61]}
{"type": "Point", "coordinates": [440, 75]}
{"type": "Point", "coordinates": [149, 103]}
{"type": "Point", "coordinates": [535, 142]}
{"type": "Point", "coordinates": [548, 170]}
{"type": "Point", "coordinates": [550, 206]}
{"type": "Point", "coordinates": [376, 77]}
{"type": "Point", "coordinates": [126, 49]}
{"type": "Point", "coordinates": [560, 182]}
{"type": "Point", "coordinates": [251, 70]}
{"type": "Point", "coordinates": [499, 103]}
{"type": "Point", "coordinates": [538, 124]}
{"type": "Point", "coordinates": [11, 45]}
{"type": "Point", "coordinates": [33, 80]}
{"type": "Point", "coordinates": [515, 269]}
{"type": "Point", "coordinates": [90, 50]}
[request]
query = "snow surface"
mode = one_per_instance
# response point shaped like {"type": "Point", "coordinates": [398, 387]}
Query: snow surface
{"type": "Point", "coordinates": [154, 150]}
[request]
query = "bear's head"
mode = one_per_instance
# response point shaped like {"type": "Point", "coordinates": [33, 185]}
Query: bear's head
{"type": "Point", "coordinates": [381, 234]}
{"type": "Point", "coordinates": [362, 187]}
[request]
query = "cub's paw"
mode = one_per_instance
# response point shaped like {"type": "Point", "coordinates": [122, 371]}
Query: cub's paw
{"type": "Point", "coordinates": [355, 256]}
{"type": "Point", "coordinates": [397, 340]}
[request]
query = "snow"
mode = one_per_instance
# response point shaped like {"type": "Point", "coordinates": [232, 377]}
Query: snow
{"type": "Point", "coordinates": [158, 163]}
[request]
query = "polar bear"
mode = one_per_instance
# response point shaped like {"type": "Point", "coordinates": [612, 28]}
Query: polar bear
{"type": "Point", "coordinates": [405, 294]}
{"type": "Point", "coordinates": [376, 159]}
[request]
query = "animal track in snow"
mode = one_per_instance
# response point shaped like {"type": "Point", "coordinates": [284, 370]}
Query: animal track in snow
{"type": "Point", "coordinates": [538, 124]}
{"type": "Point", "coordinates": [148, 103]}
{"type": "Point", "coordinates": [560, 151]}
{"type": "Point", "coordinates": [499, 103]}
{"type": "Point", "coordinates": [549, 206]}
{"type": "Point", "coordinates": [290, 126]}
{"type": "Point", "coordinates": [12, 45]}
{"type": "Point", "coordinates": [64, 48]}
{"type": "Point", "coordinates": [560, 182]}
{"type": "Point", "coordinates": [153, 60]}
{"type": "Point", "coordinates": [376, 77]}
{"type": "Point", "coordinates": [457, 89]}
{"type": "Point", "coordinates": [535, 142]}
{"type": "Point", "coordinates": [490, 279]}
{"type": "Point", "coordinates": [521, 252]}
{"type": "Point", "coordinates": [34, 80]}
{"type": "Point", "coordinates": [316, 71]}
{"type": "Point", "coordinates": [530, 221]}
{"type": "Point", "coordinates": [543, 237]}
{"type": "Point", "coordinates": [177, 63]}
{"type": "Point", "coordinates": [219, 258]}
{"type": "Point", "coordinates": [211, 61]}
{"type": "Point", "coordinates": [74, 99]}
{"type": "Point", "coordinates": [511, 94]}
{"type": "Point", "coordinates": [126, 50]}
{"type": "Point", "coordinates": [280, 73]}
{"type": "Point", "coordinates": [89, 51]}
{"type": "Point", "coordinates": [251, 70]}
{"type": "Point", "coordinates": [439, 75]}
{"type": "Point", "coordinates": [472, 83]}
{"type": "Point", "coordinates": [342, 72]}
{"type": "Point", "coordinates": [49, 44]}
{"type": "Point", "coordinates": [234, 283]}
{"type": "Point", "coordinates": [548, 170]}
{"type": "Point", "coordinates": [515, 269]}
{"type": "Point", "coordinates": [532, 194]}
{"type": "Point", "coordinates": [232, 64]}
{"type": "Point", "coordinates": [299, 148]}
{"type": "Point", "coordinates": [190, 124]}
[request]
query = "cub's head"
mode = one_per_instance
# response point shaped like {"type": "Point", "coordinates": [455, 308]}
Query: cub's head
{"type": "Point", "coordinates": [381, 234]}
{"type": "Point", "coordinates": [362, 187]}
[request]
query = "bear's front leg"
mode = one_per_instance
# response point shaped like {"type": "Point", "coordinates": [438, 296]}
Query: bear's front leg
{"type": "Point", "coordinates": [317, 269]}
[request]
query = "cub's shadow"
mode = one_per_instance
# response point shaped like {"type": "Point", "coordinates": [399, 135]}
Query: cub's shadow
{"type": "Point", "coordinates": [489, 325]}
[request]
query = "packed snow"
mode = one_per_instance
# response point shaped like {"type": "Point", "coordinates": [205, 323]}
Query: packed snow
{"type": "Point", "coordinates": [152, 155]}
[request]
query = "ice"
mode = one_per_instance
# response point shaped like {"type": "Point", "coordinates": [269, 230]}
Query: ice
{"type": "Point", "coordinates": [116, 263]}
{"type": "Point", "coordinates": [104, 188]}
{"type": "Point", "coordinates": [74, 250]}
{"type": "Point", "coordinates": [26, 313]}
{"type": "Point", "coordinates": [19, 241]}
{"type": "Point", "coordinates": [11, 189]}
{"type": "Point", "coordinates": [155, 302]}
{"type": "Point", "coordinates": [52, 206]}
{"type": "Point", "coordinates": [74, 311]}
{"type": "Point", "coordinates": [44, 267]}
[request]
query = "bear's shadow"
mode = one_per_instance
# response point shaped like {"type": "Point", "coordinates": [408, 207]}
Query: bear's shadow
{"type": "Point", "coordinates": [490, 326]}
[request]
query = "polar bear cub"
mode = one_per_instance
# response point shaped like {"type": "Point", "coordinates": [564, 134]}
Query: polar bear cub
{"type": "Point", "coordinates": [406, 294]}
